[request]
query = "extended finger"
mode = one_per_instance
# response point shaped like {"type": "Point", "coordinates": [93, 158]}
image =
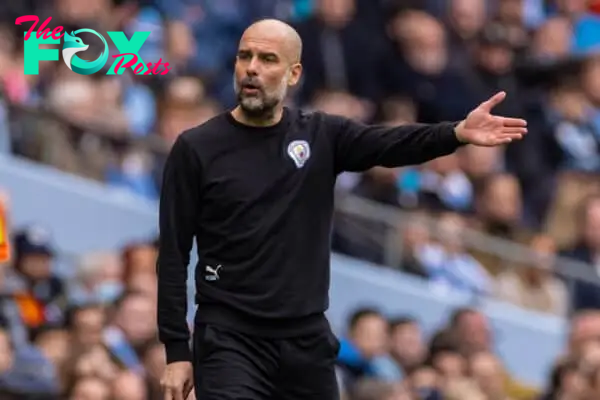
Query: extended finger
{"type": "Point", "coordinates": [191, 395]}
{"type": "Point", "coordinates": [511, 131]}
{"type": "Point", "coordinates": [493, 101]}
{"type": "Point", "coordinates": [509, 138]}
{"type": "Point", "coordinates": [178, 394]}
{"type": "Point", "coordinates": [187, 390]}
{"type": "Point", "coordinates": [168, 394]}
{"type": "Point", "coordinates": [514, 122]}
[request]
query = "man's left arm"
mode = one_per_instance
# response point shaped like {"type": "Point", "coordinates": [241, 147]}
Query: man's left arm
{"type": "Point", "coordinates": [359, 147]}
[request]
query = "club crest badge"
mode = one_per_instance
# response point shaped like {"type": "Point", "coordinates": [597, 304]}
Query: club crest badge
{"type": "Point", "coordinates": [299, 152]}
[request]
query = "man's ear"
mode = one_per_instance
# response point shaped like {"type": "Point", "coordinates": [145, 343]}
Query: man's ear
{"type": "Point", "coordinates": [295, 74]}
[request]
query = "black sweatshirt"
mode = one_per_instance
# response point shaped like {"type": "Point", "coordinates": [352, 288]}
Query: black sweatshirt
{"type": "Point", "coordinates": [259, 202]}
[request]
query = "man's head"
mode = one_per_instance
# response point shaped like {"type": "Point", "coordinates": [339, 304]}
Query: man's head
{"type": "Point", "coordinates": [369, 332]}
{"type": "Point", "coordinates": [407, 345]}
{"type": "Point", "coordinates": [135, 316]}
{"type": "Point", "coordinates": [86, 324]}
{"type": "Point", "coordinates": [34, 253]}
{"type": "Point", "coordinates": [473, 330]}
{"type": "Point", "coordinates": [267, 63]}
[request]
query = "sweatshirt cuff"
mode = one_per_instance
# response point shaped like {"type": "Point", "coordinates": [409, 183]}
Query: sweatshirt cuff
{"type": "Point", "coordinates": [178, 351]}
{"type": "Point", "coordinates": [451, 138]}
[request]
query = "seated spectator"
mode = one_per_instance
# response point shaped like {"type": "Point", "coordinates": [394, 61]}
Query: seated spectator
{"type": "Point", "coordinates": [55, 346]}
{"type": "Point", "coordinates": [420, 67]}
{"type": "Point", "coordinates": [414, 235]}
{"type": "Point", "coordinates": [98, 279]}
{"type": "Point", "coordinates": [132, 325]}
{"type": "Point", "coordinates": [499, 210]}
{"type": "Point", "coordinates": [443, 186]}
{"type": "Point", "coordinates": [566, 381]}
{"type": "Point", "coordinates": [363, 353]}
{"type": "Point", "coordinates": [30, 373]}
{"type": "Point", "coordinates": [38, 292]}
{"type": "Point", "coordinates": [407, 348]}
{"type": "Point", "coordinates": [424, 383]}
{"type": "Point", "coordinates": [586, 249]}
{"type": "Point", "coordinates": [498, 205]}
{"type": "Point", "coordinates": [447, 263]}
{"type": "Point", "coordinates": [472, 331]}
{"type": "Point", "coordinates": [551, 41]}
{"type": "Point", "coordinates": [86, 324]}
{"type": "Point", "coordinates": [535, 286]}
{"type": "Point", "coordinates": [489, 375]}
{"type": "Point", "coordinates": [444, 355]}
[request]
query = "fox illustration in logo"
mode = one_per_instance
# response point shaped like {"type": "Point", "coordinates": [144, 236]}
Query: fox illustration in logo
{"type": "Point", "coordinates": [73, 44]}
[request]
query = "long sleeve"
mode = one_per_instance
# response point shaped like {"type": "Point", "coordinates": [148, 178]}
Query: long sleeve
{"type": "Point", "coordinates": [177, 221]}
{"type": "Point", "coordinates": [359, 147]}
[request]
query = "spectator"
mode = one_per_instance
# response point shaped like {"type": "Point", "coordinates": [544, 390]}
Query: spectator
{"type": "Point", "coordinates": [471, 330]}
{"type": "Point", "coordinates": [585, 249]}
{"type": "Point", "coordinates": [99, 279]}
{"type": "Point", "coordinates": [39, 293]}
{"type": "Point", "coordinates": [535, 287]}
{"type": "Point", "coordinates": [466, 19]}
{"type": "Point", "coordinates": [424, 383]}
{"type": "Point", "coordinates": [329, 38]}
{"type": "Point", "coordinates": [408, 348]}
{"type": "Point", "coordinates": [445, 356]}
{"type": "Point", "coordinates": [448, 265]}
{"type": "Point", "coordinates": [125, 336]}
{"type": "Point", "coordinates": [489, 375]}
{"type": "Point", "coordinates": [414, 235]}
{"type": "Point", "coordinates": [363, 353]}
{"type": "Point", "coordinates": [86, 323]}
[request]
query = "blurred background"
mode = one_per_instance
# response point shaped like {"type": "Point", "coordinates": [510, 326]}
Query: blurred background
{"type": "Point", "coordinates": [475, 276]}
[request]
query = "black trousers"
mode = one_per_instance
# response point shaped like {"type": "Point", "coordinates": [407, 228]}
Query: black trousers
{"type": "Point", "coordinates": [230, 365]}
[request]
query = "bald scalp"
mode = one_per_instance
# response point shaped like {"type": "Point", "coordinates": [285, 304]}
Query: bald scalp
{"type": "Point", "coordinates": [274, 29]}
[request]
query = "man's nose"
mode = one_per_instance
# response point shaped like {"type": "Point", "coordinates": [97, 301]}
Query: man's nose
{"type": "Point", "coordinates": [253, 67]}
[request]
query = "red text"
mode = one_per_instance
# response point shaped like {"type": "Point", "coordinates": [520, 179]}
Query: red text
{"type": "Point", "coordinates": [42, 31]}
{"type": "Point", "coordinates": [134, 60]}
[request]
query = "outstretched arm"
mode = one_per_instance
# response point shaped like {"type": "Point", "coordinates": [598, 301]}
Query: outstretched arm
{"type": "Point", "coordinates": [359, 147]}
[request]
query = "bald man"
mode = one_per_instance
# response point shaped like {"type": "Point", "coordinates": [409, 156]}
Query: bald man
{"type": "Point", "coordinates": [255, 186]}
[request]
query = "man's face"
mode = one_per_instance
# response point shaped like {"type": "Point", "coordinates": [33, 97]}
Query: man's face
{"type": "Point", "coordinates": [263, 70]}
{"type": "Point", "coordinates": [407, 344]}
{"type": "Point", "coordinates": [137, 319]}
{"type": "Point", "coordinates": [88, 326]}
{"type": "Point", "coordinates": [36, 266]}
{"type": "Point", "coordinates": [370, 336]}
{"type": "Point", "coordinates": [476, 333]}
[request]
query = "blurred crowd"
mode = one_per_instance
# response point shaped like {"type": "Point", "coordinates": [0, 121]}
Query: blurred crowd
{"type": "Point", "coordinates": [384, 358]}
{"type": "Point", "coordinates": [86, 335]}
{"type": "Point", "coordinates": [92, 336]}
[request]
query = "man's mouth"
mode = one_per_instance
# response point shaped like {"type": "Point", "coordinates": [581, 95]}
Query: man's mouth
{"type": "Point", "coordinates": [250, 88]}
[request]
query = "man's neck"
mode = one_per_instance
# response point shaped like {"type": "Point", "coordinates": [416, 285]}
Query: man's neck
{"type": "Point", "coordinates": [265, 121]}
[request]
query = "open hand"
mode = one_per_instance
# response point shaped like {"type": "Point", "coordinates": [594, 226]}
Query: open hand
{"type": "Point", "coordinates": [481, 128]}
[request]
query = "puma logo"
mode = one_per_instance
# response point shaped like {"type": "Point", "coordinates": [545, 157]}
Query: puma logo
{"type": "Point", "coordinates": [213, 273]}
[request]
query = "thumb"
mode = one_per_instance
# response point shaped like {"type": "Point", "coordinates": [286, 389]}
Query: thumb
{"type": "Point", "coordinates": [488, 105]}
